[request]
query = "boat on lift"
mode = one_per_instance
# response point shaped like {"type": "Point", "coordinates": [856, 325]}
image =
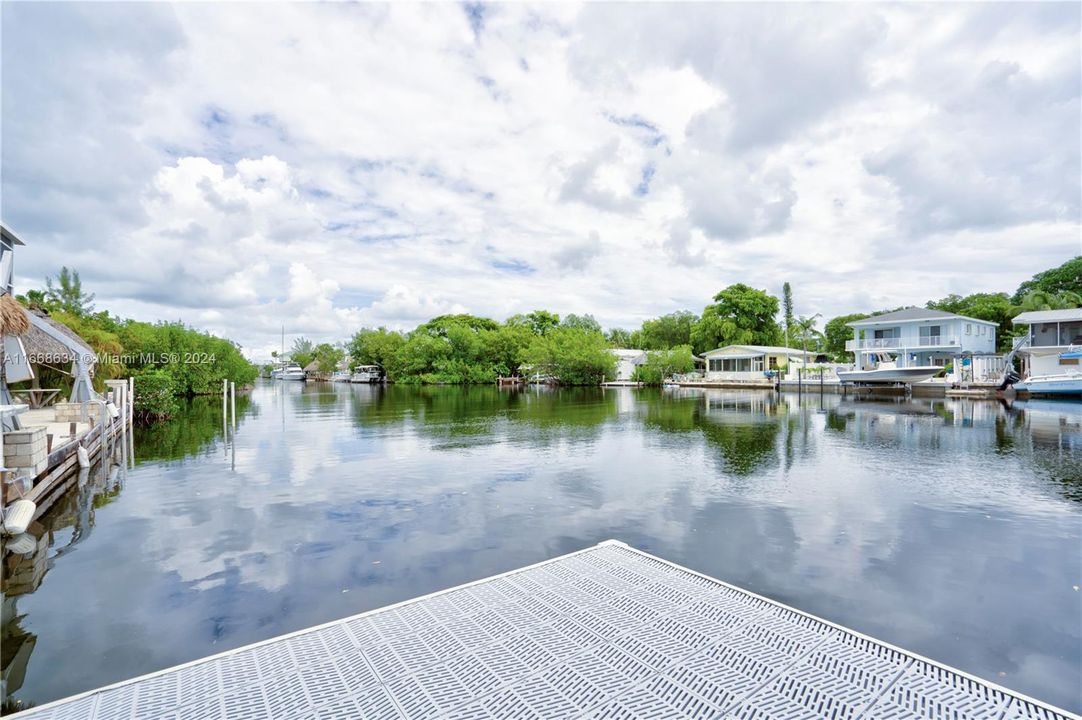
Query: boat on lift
{"type": "Point", "coordinates": [887, 372]}
{"type": "Point", "coordinates": [367, 374]}
{"type": "Point", "coordinates": [1062, 384]}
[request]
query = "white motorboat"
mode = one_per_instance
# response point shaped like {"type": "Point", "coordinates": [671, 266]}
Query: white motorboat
{"type": "Point", "coordinates": [1060, 385]}
{"type": "Point", "coordinates": [293, 371]}
{"type": "Point", "coordinates": [887, 372]}
{"type": "Point", "coordinates": [367, 374]}
{"type": "Point", "coordinates": [341, 376]}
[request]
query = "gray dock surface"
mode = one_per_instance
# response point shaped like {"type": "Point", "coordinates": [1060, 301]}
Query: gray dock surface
{"type": "Point", "coordinates": [607, 632]}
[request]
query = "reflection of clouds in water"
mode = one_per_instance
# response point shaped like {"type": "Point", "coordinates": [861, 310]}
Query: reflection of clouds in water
{"type": "Point", "coordinates": [874, 515]}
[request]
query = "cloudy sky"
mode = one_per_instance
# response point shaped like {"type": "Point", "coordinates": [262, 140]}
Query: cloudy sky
{"type": "Point", "coordinates": [327, 167]}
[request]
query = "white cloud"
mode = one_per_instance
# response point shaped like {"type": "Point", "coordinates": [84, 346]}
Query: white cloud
{"type": "Point", "coordinates": [382, 164]}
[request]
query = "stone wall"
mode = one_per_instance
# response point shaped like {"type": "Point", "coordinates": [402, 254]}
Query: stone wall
{"type": "Point", "coordinates": [25, 451]}
{"type": "Point", "coordinates": [67, 412]}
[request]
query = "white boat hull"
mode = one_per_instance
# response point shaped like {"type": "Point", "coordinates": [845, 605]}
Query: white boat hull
{"type": "Point", "coordinates": [889, 376]}
{"type": "Point", "coordinates": [301, 376]}
{"type": "Point", "coordinates": [1051, 385]}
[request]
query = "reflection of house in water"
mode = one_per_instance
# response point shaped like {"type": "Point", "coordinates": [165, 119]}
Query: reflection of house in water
{"type": "Point", "coordinates": [748, 406]}
{"type": "Point", "coordinates": [744, 427]}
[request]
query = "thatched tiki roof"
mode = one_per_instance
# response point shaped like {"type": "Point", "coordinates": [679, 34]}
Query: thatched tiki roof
{"type": "Point", "coordinates": [13, 320]}
{"type": "Point", "coordinates": [44, 350]}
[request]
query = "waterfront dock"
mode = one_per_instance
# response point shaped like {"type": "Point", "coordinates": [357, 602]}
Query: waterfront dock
{"type": "Point", "coordinates": [606, 632]}
{"type": "Point", "coordinates": [44, 450]}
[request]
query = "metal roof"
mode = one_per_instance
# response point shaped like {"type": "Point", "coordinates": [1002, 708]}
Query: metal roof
{"type": "Point", "coordinates": [761, 350]}
{"type": "Point", "coordinates": [915, 314]}
{"type": "Point", "coordinates": [627, 353]}
{"type": "Point", "coordinates": [606, 632]}
{"type": "Point", "coordinates": [8, 234]}
{"type": "Point", "coordinates": [1044, 316]}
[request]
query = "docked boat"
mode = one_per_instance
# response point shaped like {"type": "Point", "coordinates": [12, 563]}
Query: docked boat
{"type": "Point", "coordinates": [367, 374]}
{"type": "Point", "coordinates": [1061, 385]}
{"type": "Point", "coordinates": [1050, 354]}
{"type": "Point", "coordinates": [293, 371]}
{"type": "Point", "coordinates": [887, 372]}
{"type": "Point", "coordinates": [341, 376]}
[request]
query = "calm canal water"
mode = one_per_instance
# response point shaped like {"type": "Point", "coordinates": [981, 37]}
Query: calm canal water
{"type": "Point", "coordinates": [951, 528]}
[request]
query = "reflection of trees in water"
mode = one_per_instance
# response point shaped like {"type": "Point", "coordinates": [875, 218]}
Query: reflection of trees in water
{"type": "Point", "coordinates": [1052, 434]}
{"type": "Point", "coordinates": [460, 415]}
{"type": "Point", "coordinates": [669, 412]}
{"type": "Point", "coordinates": [197, 423]}
{"type": "Point", "coordinates": [743, 427]}
{"type": "Point", "coordinates": [744, 447]}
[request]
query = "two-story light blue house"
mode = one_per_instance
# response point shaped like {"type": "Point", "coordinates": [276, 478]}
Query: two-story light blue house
{"type": "Point", "coordinates": [919, 336]}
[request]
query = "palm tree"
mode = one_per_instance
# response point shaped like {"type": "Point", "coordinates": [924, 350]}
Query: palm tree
{"type": "Point", "coordinates": [805, 327]}
{"type": "Point", "coordinates": [1044, 300]}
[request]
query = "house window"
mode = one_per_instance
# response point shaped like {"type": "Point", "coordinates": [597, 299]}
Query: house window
{"type": "Point", "coordinates": [735, 364]}
{"type": "Point", "coordinates": [757, 364]}
{"type": "Point", "coordinates": [1070, 333]}
{"type": "Point", "coordinates": [886, 333]}
{"type": "Point", "coordinates": [929, 334]}
{"type": "Point", "coordinates": [772, 362]}
{"type": "Point", "coordinates": [715, 365]}
{"type": "Point", "coordinates": [969, 328]}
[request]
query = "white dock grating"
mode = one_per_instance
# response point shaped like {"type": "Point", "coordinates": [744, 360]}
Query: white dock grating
{"type": "Point", "coordinates": [608, 632]}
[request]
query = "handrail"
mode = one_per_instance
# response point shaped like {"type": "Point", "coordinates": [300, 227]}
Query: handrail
{"type": "Point", "coordinates": [907, 343]}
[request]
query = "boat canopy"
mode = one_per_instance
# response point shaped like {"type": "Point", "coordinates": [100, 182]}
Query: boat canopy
{"type": "Point", "coordinates": [1071, 355]}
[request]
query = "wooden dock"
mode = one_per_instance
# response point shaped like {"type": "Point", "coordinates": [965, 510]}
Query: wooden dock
{"type": "Point", "coordinates": [100, 434]}
{"type": "Point", "coordinates": [606, 632]}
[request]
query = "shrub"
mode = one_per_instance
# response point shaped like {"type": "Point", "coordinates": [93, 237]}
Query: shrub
{"type": "Point", "coordinates": [155, 392]}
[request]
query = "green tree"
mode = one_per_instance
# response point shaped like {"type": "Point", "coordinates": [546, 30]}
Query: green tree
{"type": "Point", "coordinates": [302, 351]}
{"type": "Point", "coordinates": [572, 356]}
{"type": "Point", "coordinates": [620, 338]}
{"type": "Point", "coordinates": [583, 322]}
{"type": "Point", "coordinates": [1065, 278]}
{"type": "Point", "coordinates": [1045, 300]}
{"type": "Point", "coordinates": [804, 331]}
{"type": "Point", "coordinates": [374, 347]}
{"type": "Point", "coordinates": [539, 321]}
{"type": "Point", "coordinates": [662, 364]}
{"type": "Point", "coordinates": [504, 347]}
{"type": "Point", "coordinates": [787, 310]}
{"type": "Point", "coordinates": [836, 333]}
{"type": "Point", "coordinates": [67, 293]}
{"type": "Point", "coordinates": [994, 307]}
{"type": "Point", "coordinates": [328, 356]}
{"type": "Point", "coordinates": [668, 331]}
{"type": "Point", "coordinates": [741, 315]}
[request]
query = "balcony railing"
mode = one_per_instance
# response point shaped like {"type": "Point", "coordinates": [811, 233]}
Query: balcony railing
{"type": "Point", "coordinates": [927, 341]}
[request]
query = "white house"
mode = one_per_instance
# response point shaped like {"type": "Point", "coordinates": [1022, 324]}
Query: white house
{"type": "Point", "coordinates": [1050, 333]}
{"type": "Point", "coordinates": [919, 336]}
{"type": "Point", "coordinates": [626, 362]}
{"type": "Point", "coordinates": [748, 363]}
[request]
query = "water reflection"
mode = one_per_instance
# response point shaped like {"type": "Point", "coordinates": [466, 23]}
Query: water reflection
{"type": "Point", "coordinates": [948, 527]}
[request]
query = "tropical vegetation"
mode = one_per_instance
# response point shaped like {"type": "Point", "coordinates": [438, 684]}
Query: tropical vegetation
{"type": "Point", "coordinates": [168, 359]}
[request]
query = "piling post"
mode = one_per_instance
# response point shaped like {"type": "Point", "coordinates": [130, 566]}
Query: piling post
{"type": "Point", "coordinates": [233, 404]}
{"type": "Point", "coordinates": [131, 421]}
